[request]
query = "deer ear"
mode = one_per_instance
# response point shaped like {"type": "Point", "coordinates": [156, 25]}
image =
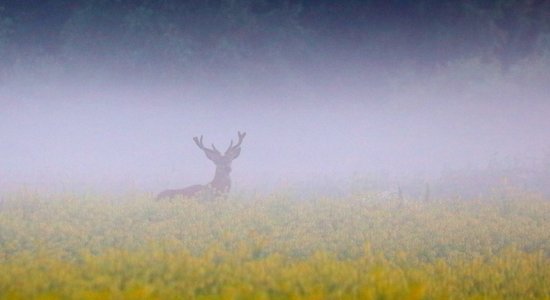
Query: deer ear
{"type": "Point", "coordinates": [235, 153]}
{"type": "Point", "coordinates": [212, 155]}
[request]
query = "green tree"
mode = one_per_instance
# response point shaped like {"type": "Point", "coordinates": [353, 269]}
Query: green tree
{"type": "Point", "coordinates": [6, 32]}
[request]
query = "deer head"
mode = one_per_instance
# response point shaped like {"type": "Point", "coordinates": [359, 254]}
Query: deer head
{"type": "Point", "coordinates": [221, 179]}
{"type": "Point", "coordinates": [222, 162]}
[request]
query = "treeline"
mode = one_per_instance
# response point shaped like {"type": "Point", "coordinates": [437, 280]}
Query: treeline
{"type": "Point", "coordinates": [176, 34]}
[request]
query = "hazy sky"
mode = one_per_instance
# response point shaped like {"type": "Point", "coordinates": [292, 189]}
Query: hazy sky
{"type": "Point", "coordinates": [99, 135]}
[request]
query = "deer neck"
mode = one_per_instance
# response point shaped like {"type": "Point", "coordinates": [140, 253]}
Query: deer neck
{"type": "Point", "coordinates": [221, 181]}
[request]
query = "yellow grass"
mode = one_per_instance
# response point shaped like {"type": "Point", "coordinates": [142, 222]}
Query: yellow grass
{"type": "Point", "coordinates": [274, 247]}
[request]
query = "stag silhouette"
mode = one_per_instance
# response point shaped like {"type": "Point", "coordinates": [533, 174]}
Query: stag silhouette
{"type": "Point", "coordinates": [221, 184]}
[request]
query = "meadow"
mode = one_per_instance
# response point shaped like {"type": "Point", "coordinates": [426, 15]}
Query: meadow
{"type": "Point", "coordinates": [275, 246]}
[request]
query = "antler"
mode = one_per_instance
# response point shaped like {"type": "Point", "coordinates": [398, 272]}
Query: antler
{"type": "Point", "coordinates": [233, 148]}
{"type": "Point", "coordinates": [201, 145]}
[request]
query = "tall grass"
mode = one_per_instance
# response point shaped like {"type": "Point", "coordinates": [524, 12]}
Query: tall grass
{"type": "Point", "coordinates": [276, 246]}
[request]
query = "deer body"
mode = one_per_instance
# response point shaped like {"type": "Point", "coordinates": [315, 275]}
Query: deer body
{"type": "Point", "coordinates": [221, 184]}
{"type": "Point", "coordinates": [189, 191]}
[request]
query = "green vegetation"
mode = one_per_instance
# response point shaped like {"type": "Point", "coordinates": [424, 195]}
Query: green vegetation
{"type": "Point", "coordinates": [274, 247]}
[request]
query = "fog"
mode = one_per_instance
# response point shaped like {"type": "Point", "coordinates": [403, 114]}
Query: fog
{"type": "Point", "coordinates": [88, 123]}
{"type": "Point", "coordinates": [59, 133]}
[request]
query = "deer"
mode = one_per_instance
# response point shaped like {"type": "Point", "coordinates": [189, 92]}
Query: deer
{"type": "Point", "coordinates": [221, 184]}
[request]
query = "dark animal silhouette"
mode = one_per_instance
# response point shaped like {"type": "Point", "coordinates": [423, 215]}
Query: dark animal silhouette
{"type": "Point", "coordinates": [221, 184]}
